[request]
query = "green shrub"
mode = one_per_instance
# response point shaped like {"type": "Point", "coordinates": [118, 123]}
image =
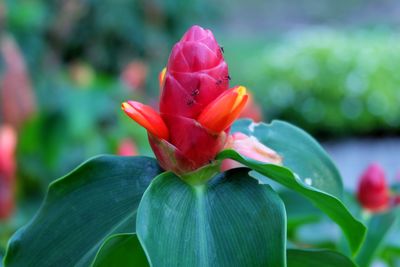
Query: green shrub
{"type": "Point", "coordinates": [330, 82]}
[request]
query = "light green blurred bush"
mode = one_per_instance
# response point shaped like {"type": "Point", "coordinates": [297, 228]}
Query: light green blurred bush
{"type": "Point", "coordinates": [329, 82]}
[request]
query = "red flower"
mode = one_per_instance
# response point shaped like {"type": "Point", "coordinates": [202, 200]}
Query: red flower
{"type": "Point", "coordinates": [8, 140]}
{"type": "Point", "coordinates": [196, 106]}
{"type": "Point", "coordinates": [373, 191]}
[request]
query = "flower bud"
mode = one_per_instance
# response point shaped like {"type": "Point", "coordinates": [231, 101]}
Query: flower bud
{"type": "Point", "coordinates": [8, 140]}
{"type": "Point", "coordinates": [134, 75]}
{"type": "Point", "coordinates": [196, 74]}
{"type": "Point", "coordinates": [196, 107]}
{"type": "Point", "coordinates": [127, 147]}
{"type": "Point", "coordinates": [17, 100]}
{"type": "Point", "coordinates": [373, 191]}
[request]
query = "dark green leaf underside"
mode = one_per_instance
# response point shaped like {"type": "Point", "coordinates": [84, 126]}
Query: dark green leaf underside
{"type": "Point", "coordinates": [97, 199]}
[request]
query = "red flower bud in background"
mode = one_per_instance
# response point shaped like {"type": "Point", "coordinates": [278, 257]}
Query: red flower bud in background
{"type": "Point", "coordinates": [196, 107]}
{"type": "Point", "coordinates": [16, 94]}
{"type": "Point", "coordinates": [8, 141]}
{"type": "Point", "coordinates": [373, 191]}
{"type": "Point", "coordinates": [127, 148]}
{"type": "Point", "coordinates": [134, 75]}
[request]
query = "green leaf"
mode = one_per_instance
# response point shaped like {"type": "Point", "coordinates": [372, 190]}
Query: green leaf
{"type": "Point", "coordinates": [230, 221]}
{"type": "Point", "coordinates": [379, 226]}
{"type": "Point", "coordinates": [81, 210]}
{"type": "Point", "coordinates": [300, 152]}
{"type": "Point", "coordinates": [320, 258]}
{"type": "Point", "coordinates": [332, 206]}
{"type": "Point", "coordinates": [121, 250]}
{"type": "Point", "coordinates": [391, 255]}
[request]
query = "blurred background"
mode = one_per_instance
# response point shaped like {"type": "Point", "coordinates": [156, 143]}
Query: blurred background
{"type": "Point", "coordinates": [330, 67]}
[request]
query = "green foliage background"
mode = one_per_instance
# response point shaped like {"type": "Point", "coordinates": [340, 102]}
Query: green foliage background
{"type": "Point", "coordinates": [332, 83]}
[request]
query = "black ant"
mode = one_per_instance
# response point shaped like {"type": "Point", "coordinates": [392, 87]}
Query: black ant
{"type": "Point", "coordinates": [190, 102]}
{"type": "Point", "coordinates": [195, 92]}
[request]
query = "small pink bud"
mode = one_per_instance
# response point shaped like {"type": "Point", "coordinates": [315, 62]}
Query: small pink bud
{"type": "Point", "coordinates": [250, 147]}
{"type": "Point", "coordinates": [17, 100]}
{"type": "Point", "coordinates": [373, 192]}
{"type": "Point", "coordinates": [8, 141]}
{"type": "Point", "coordinates": [127, 148]}
{"type": "Point", "coordinates": [134, 75]}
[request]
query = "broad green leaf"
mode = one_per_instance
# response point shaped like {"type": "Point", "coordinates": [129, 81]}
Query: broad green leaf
{"type": "Point", "coordinates": [317, 258]}
{"type": "Point", "coordinates": [379, 226]}
{"type": "Point", "coordinates": [121, 250]}
{"type": "Point", "coordinates": [300, 152]}
{"type": "Point", "coordinates": [231, 221]}
{"type": "Point", "coordinates": [97, 199]}
{"type": "Point", "coordinates": [332, 206]}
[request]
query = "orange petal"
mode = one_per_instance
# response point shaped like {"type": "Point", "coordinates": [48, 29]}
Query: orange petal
{"type": "Point", "coordinates": [147, 117]}
{"type": "Point", "coordinates": [161, 77]}
{"type": "Point", "coordinates": [221, 113]}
